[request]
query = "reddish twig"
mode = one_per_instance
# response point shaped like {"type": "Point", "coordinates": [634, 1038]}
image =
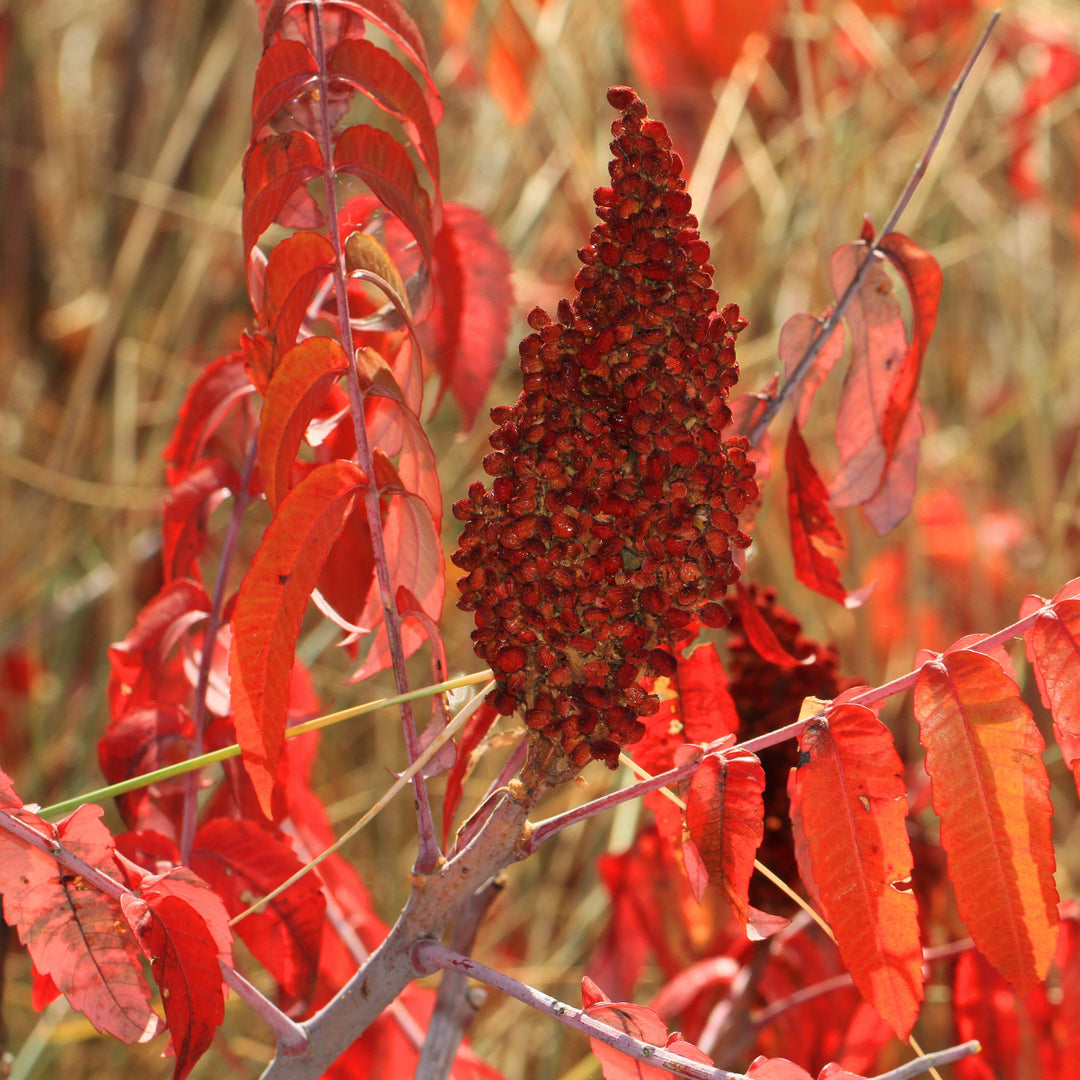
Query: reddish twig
{"type": "Point", "coordinates": [429, 956]}
{"type": "Point", "coordinates": [830, 323]}
{"type": "Point", "coordinates": [427, 841]}
{"type": "Point", "coordinates": [544, 830]}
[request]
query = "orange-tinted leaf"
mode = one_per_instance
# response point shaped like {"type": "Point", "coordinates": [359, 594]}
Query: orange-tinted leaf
{"type": "Point", "coordinates": [378, 75]}
{"type": "Point", "coordinates": [270, 607]}
{"type": "Point", "coordinates": [75, 933]}
{"type": "Point", "coordinates": [187, 508]}
{"type": "Point", "coordinates": [815, 538]}
{"type": "Point", "coordinates": [681, 47]}
{"type": "Point", "coordinates": [763, 1068]}
{"type": "Point", "coordinates": [382, 163]}
{"type": "Point", "coordinates": [761, 635]}
{"type": "Point", "coordinates": [923, 279]}
{"type": "Point", "coordinates": [1054, 644]}
{"type": "Point", "coordinates": [274, 169]}
{"type": "Point", "coordinates": [700, 712]}
{"type": "Point", "coordinates": [465, 336]}
{"type": "Point", "coordinates": [294, 270]}
{"type": "Point", "coordinates": [795, 338]}
{"type": "Point", "coordinates": [244, 861]}
{"type": "Point", "coordinates": [296, 393]}
{"type": "Point", "coordinates": [850, 799]}
{"type": "Point", "coordinates": [726, 819]}
{"type": "Point", "coordinates": [990, 789]}
{"type": "Point", "coordinates": [285, 69]}
{"type": "Point", "coordinates": [184, 962]}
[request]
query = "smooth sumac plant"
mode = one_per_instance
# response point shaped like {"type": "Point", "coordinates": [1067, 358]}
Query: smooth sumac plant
{"type": "Point", "coordinates": [605, 559]}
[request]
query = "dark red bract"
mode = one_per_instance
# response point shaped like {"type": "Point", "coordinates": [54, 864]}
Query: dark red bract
{"type": "Point", "coordinates": [611, 520]}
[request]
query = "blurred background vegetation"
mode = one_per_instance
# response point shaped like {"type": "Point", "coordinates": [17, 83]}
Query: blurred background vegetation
{"type": "Point", "coordinates": [122, 130]}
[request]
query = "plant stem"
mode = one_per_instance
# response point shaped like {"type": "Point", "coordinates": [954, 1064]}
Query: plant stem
{"type": "Point", "coordinates": [454, 1005]}
{"type": "Point", "coordinates": [427, 841]}
{"type": "Point", "coordinates": [291, 1037]}
{"type": "Point", "coordinates": [430, 955]}
{"type": "Point", "coordinates": [830, 323]}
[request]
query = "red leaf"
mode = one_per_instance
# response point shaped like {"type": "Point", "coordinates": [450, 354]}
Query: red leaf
{"type": "Point", "coordinates": [726, 819]}
{"type": "Point", "coordinates": [682, 48]}
{"type": "Point", "coordinates": [923, 279]}
{"type": "Point", "coordinates": [182, 883]}
{"type": "Point", "coordinates": [244, 861]}
{"type": "Point", "coordinates": [74, 932]}
{"type": "Point", "coordinates": [270, 607]}
{"type": "Point", "coordinates": [763, 1068]}
{"type": "Point", "coordinates": [701, 713]}
{"type": "Point", "coordinates": [138, 662]}
{"type": "Point", "coordinates": [1016, 1035]}
{"type": "Point", "coordinates": [715, 973]}
{"type": "Point", "coordinates": [218, 386]}
{"type": "Point", "coordinates": [761, 635]}
{"type": "Point", "coordinates": [389, 15]}
{"type": "Point", "coordinates": [294, 270]}
{"type": "Point", "coordinates": [296, 392]}
{"type": "Point", "coordinates": [635, 1020]}
{"type": "Point", "coordinates": [415, 560]}
{"type": "Point", "coordinates": [469, 742]}
{"type": "Point", "coordinates": [378, 75]}
{"type": "Point", "coordinates": [285, 69]}
{"type": "Point", "coordinates": [878, 476]}
{"type": "Point", "coordinates": [1054, 645]}
{"type": "Point", "coordinates": [348, 575]}
{"type": "Point", "coordinates": [850, 800]}
{"type": "Point", "coordinates": [465, 335]}
{"type": "Point", "coordinates": [138, 742]}
{"type": "Point", "coordinates": [184, 962]}
{"type": "Point", "coordinates": [746, 410]}
{"type": "Point", "coordinates": [186, 511]}
{"type": "Point", "coordinates": [1058, 72]}
{"type": "Point", "coordinates": [795, 338]}
{"type": "Point", "coordinates": [990, 789]}
{"type": "Point", "coordinates": [815, 538]}
{"type": "Point", "coordinates": [381, 162]}
{"type": "Point", "coordinates": [274, 169]}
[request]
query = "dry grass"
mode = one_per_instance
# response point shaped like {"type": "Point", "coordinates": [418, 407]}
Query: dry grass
{"type": "Point", "coordinates": [120, 140]}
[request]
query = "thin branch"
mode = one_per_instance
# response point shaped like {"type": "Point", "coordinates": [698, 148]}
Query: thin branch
{"type": "Point", "coordinates": [427, 842]}
{"type": "Point", "coordinates": [291, 1037]}
{"type": "Point", "coordinates": [829, 324]}
{"type": "Point", "coordinates": [931, 1061]}
{"type": "Point", "coordinates": [544, 830]}
{"type": "Point", "coordinates": [430, 955]}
